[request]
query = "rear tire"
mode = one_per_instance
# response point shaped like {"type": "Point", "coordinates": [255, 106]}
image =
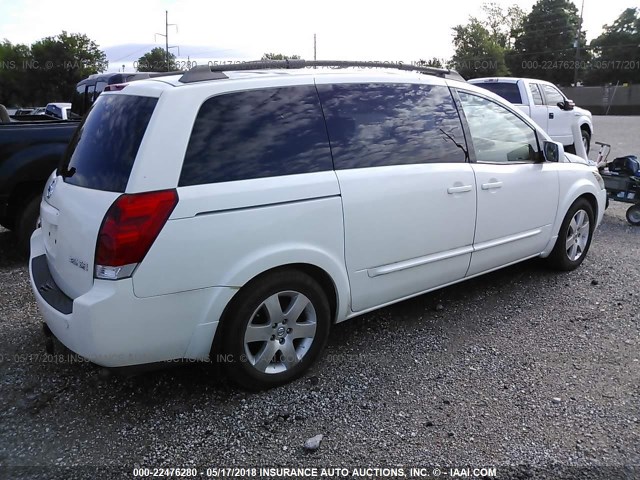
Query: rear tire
{"type": "Point", "coordinates": [7, 223]}
{"type": "Point", "coordinates": [275, 328]}
{"type": "Point", "coordinates": [574, 237]}
{"type": "Point", "coordinates": [633, 214]}
{"type": "Point", "coordinates": [27, 223]}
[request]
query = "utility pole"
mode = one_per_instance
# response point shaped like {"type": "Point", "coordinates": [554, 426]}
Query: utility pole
{"type": "Point", "coordinates": [314, 46]}
{"type": "Point", "coordinates": [166, 37]}
{"type": "Point", "coordinates": [577, 45]}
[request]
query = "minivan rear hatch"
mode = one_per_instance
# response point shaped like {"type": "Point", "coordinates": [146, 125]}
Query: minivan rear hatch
{"type": "Point", "coordinates": [92, 176]}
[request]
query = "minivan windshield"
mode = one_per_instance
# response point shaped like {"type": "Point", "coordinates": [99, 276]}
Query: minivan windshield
{"type": "Point", "coordinates": [104, 147]}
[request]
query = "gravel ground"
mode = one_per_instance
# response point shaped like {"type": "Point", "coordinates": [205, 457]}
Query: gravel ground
{"type": "Point", "coordinates": [524, 366]}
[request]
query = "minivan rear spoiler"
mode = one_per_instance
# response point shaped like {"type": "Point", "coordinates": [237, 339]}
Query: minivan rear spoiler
{"type": "Point", "coordinates": [215, 72]}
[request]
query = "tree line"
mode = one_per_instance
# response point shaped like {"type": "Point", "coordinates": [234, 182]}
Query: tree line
{"type": "Point", "coordinates": [48, 70]}
{"type": "Point", "coordinates": [547, 43]}
{"type": "Point", "coordinates": [156, 61]}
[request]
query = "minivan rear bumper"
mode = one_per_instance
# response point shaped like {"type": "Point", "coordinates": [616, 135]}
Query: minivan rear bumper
{"type": "Point", "coordinates": [112, 327]}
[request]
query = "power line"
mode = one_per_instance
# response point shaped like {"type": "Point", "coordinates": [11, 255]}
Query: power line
{"type": "Point", "coordinates": [166, 36]}
{"type": "Point", "coordinates": [132, 53]}
{"type": "Point", "coordinates": [209, 52]}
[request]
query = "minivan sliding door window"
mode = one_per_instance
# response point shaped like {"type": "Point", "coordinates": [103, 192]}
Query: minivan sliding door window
{"type": "Point", "coordinates": [380, 124]}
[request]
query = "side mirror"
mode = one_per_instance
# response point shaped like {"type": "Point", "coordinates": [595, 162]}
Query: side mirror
{"type": "Point", "coordinates": [567, 105]}
{"type": "Point", "coordinates": [552, 151]}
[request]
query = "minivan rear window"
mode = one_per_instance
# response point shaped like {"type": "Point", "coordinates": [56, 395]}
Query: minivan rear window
{"type": "Point", "coordinates": [103, 149]}
{"type": "Point", "coordinates": [509, 91]}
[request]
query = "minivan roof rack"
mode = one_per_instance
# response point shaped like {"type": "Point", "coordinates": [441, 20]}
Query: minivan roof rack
{"type": "Point", "coordinates": [215, 72]}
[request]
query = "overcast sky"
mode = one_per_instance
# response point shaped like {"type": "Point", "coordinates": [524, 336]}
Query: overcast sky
{"type": "Point", "coordinates": [396, 30]}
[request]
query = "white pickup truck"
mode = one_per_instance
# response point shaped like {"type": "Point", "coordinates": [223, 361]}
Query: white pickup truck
{"type": "Point", "coordinates": [546, 105]}
{"type": "Point", "coordinates": [58, 110]}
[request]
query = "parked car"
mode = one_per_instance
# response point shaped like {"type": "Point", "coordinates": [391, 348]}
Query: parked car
{"type": "Point", "coordinates": [88, 90]}
{"type": "Point", "coordinates": [31, 148]}
{"type": "Point", "coordinates": [243, 213]}
{"type": "Point", "coordinates": [24, 115]}
{"type": "Point", "coordinates": [23, 111]}
{"type": "Point", "coordinates": [546, 105]}
{"type": "Point", "coordinates": [59, 111]}
{"type": "Point", "coordinates": [29, 152]}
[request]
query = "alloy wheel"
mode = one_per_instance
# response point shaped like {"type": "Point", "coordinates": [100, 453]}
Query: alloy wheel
{"type": "Point", "coordinates": [577, 235]}
{"type": "Point", "coordinates": [280, 332]}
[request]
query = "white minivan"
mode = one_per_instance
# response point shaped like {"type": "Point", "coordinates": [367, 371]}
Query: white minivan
{"type": "Point", "coordinates": [244, 211]}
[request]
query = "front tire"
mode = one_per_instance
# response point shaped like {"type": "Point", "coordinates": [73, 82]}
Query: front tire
{"type": "Point", "coordinates": [574, 238]}
{"type": "Point", "coordinates": [275, 328]}
{"type": "Point", "coordinates": [633, 214]}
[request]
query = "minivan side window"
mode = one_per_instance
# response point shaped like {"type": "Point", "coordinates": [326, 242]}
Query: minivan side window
{"type": "Point", "coordinates": [499, 136]}
{"type": "Point", "coordinates": [255, 134]}
{"type": "Point", "coordinates": [373, 125]}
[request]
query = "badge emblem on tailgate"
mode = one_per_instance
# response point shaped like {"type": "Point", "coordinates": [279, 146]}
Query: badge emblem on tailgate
{"type": "Point", "coordinates": [79, 263]}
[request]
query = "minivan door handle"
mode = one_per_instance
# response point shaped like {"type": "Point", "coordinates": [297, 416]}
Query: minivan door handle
{"type": "Point", "coordinates": [551, 115]}
{"type": "Point", "coordinates": [460, 189]}
{"type": "Point", "coordinates": [491, 185]}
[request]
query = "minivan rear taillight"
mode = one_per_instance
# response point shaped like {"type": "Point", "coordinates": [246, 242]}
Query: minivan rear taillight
{"type": "Point", "coordinates": [128, 230]}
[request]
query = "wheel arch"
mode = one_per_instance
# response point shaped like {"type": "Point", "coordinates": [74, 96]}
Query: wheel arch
{"type": "Point", "coordinates": [324, 279]}
{"type": "Point", "coordinates": [325, 265]}
{"type": "Point", "coordinates": [582, 192]}
{"type": "Point", "coordinates": [593, 201]}
{"type": "Point", "coordinates": [320, 275]}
